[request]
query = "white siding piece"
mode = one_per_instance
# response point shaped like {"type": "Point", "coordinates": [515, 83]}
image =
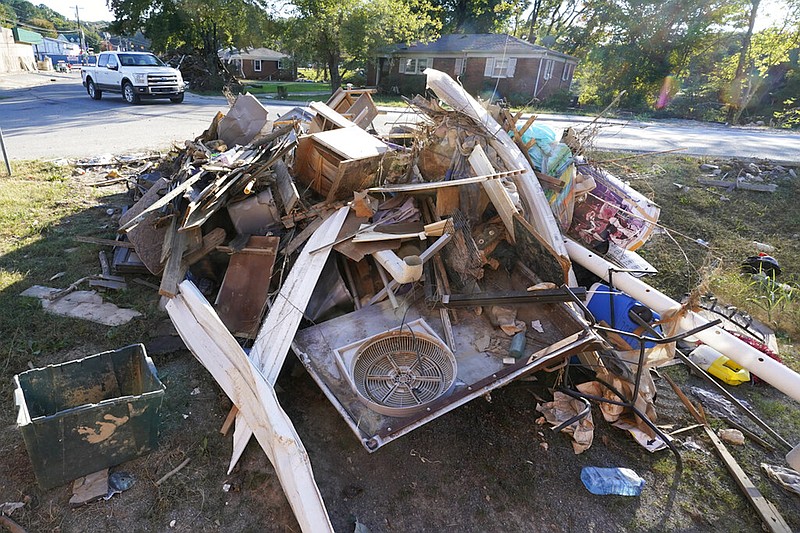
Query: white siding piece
{"type": "Point", "coordinates": [489, 68]}
{"type": "Point", "coordinates": [512, 67]}
{"type": "Point", "coordinates": [209, 340]}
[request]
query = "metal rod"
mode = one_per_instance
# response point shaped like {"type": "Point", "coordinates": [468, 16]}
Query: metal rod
{"type": "Point", "coordinates": [5, 155]}
{"type": "Point", "coordinates": [722, 390]}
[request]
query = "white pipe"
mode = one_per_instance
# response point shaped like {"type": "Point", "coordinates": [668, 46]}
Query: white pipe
{"type": "Point", "coordinates": [404, 270]}
{"type": "Point", "coordinates": [776, 374]}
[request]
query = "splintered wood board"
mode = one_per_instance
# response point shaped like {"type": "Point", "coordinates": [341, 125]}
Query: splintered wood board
{"type": "Point", "coordinates": [351, 143]}
{"type": "Point", "coordinates": [206, 336]}
{"type": "Point", "coordinates": [242, 298]}
{"type": "Point", "coordinates": [495, 189]}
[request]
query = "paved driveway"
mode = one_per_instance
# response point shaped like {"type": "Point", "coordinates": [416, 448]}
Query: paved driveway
{"type": "Point", "coordinates": [50, 116]}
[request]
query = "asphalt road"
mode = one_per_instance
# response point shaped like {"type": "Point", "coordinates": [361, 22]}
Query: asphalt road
{"type": "Point", "coordinates": [51, 116]}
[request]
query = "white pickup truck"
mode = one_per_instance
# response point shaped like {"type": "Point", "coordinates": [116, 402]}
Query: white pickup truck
{"type": "Point", "coordinates": [136, 75]}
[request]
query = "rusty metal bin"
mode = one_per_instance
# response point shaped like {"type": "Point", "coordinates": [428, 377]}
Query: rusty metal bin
{"type": "Point", "coordinates": [82, 416]}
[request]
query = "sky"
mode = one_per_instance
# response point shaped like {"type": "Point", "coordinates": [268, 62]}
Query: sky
{"type": "Point", "coordinates": [95, 10]}
{"type": "Point", "coordinates": [90, 10]}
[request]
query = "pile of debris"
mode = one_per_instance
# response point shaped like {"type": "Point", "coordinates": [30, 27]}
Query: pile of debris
{"type": "Point", "coordinates": [410, 272]}
{"type": "Point", "coordinates": [202, 72]}
{"type": "Point", "coordinates": [746, 175]}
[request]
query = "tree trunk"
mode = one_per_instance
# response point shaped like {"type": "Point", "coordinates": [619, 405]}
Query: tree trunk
{"type": "Point", "coordinates": [333, 70]}
{"type": "Point", "coordinates": [532, 20]}
{"type": "Point", "coordinates": [736, 106]}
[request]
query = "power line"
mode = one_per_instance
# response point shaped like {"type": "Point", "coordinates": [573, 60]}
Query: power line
{"type": "Point", "coordinates": [17, 23]}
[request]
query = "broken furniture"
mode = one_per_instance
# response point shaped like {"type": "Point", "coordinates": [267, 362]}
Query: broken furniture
{"type": "Point", "coordinates": [355, 105]}
{"type": "Point", "coordinates": [82, 416]}
{"type": "Point", "coordinates": [337, 162]}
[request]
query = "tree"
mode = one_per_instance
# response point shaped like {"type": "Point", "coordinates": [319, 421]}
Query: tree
{"type": "Point", "coordinates": [642, 42]}
{"type": "Point", "coordinates": [475, 16]}
{"type": "Point", "coordinates": [205, 25]}
{"type": "Point", "coordinates": [735, 107]}
{"type": "Point", "coordinates": [345, 33]}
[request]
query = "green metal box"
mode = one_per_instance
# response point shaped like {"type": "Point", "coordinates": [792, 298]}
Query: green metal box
{"type": "Point", "coordinates": [82, 416]}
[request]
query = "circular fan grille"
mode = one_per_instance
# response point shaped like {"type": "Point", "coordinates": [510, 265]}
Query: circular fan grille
{"type": "Point", "coordinates": [398, 373]}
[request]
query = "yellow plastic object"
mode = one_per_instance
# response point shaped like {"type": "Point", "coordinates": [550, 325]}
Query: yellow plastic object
{"type": "Point", "coordinates": [719, 366]}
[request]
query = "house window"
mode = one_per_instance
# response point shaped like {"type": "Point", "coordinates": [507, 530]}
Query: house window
{"type": "Point", "coordinates": [256, 65]}
{"type": "Point", "coordinates": [568, 70]}
{"type": "Point", "coordinates": [497, 67]}
{"type": "Point", "coordinates": [414, 65]}
{"type": "Point", "coordinates": [461, 66]}
{"type": "Point", "coordinates": [549, 64]}
{"type": "Point", "coordinates": [500, 68]}
{"type": "Point", "coordinates": [282, 64]}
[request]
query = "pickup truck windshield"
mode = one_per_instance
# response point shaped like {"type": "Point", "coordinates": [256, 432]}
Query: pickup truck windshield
{"type": "Point", "coordinates": [140, 60]}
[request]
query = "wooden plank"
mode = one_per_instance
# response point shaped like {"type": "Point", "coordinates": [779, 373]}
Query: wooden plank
{"type": "Point", "coordinates": [304, 235]}
{"type": "Point", "coordinates": [508, 298]}
{"type": "Point", "coordinates": [351, 143]}
{"type": "Point", "coordinates": [286, 187]}
{"type": "Point", "coordinates": [175, 268]}
{"type": "Point", "coordinates": [766, 510]}
{"type": "Point", "coordinates": [211, 240]}
{"type": "Point", "coordinates": [435, 185]}
{"type": "Point", "coordinates": [327, 113]}
{"type": "Point", "coordinates": [278, 330]}
{"type": "Point", "coordinates": [497, 193]}
{"type": "Point", "coordinates": [104, 242]}
{"type": "Point", "coordinates": [242, 297]}
{"type": "Point", "coordinates": [210, 342]}
{"type": "Point", "coordinates": [161, 202]}
{"type": "Point", "coordinates": [194, 239]}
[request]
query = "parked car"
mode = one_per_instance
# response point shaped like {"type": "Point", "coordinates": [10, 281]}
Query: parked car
{"type": "Point", "coordinates": [136, 75]}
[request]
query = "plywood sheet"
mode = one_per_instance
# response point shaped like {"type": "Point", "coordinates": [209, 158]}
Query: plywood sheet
{"type": "Point", "coordinates": [242, 298]}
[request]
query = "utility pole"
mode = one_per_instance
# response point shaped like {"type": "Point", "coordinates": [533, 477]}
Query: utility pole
{"type": "Point", "coordinates": [83, 37]}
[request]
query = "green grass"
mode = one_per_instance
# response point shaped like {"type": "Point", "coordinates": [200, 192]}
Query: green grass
{"type": "Point", "coordinates": [42, 208]}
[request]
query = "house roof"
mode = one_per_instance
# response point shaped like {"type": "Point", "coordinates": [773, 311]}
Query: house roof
{"type": "Point", "coordinates": [264, 54]}
{"type": "Point", "coordinates": [21, 35]}
{"type": "Point", "coordinates": [476, 44]}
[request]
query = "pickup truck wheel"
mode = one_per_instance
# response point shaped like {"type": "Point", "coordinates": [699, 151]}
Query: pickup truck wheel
{"type": "Point", "coordinates": [176, 99]}
{"type": "Point", "coordinates": [129, 93]}
{"type": "Point", "coordinates": [94, 92]}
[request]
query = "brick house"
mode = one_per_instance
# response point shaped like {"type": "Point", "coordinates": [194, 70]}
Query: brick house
{"type": "Point", "coordinates": [482, 62]}
{"type": "Point", "coordinates": [257, 63]}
